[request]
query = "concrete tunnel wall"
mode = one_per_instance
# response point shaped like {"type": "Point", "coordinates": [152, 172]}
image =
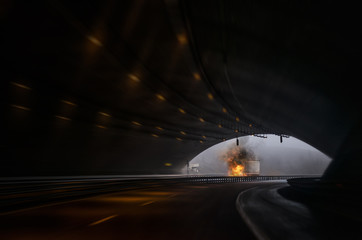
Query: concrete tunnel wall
{"type": "Point", "coordinates": [88, 86]}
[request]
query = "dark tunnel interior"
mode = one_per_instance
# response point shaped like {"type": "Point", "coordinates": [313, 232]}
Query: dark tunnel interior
{"type": "Point", "coordinates": [103, 103]}
{"type": "Point", "coordinates": [123, 87]}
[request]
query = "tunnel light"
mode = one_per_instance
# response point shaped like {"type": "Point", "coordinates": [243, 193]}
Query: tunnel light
{"type": "Point", "coordinates": [160, 97]}
{"type": "Point", "coordinates": [224, 110]}
{"type": "Point", "coordinates": [201, 141]}
{"type": "Point", "coordinates": [154, 135]}
{"type": "Point", "coordinates": [101, 126]}
{"type": "Point", "coordinates": [182, 132]}
{"type": "Point", "coordinates": [104, 114]}
{"type": "Point", "coordinates": [197, 76]}
{"type": "Point", "coordinates": [20, 85]}
{"type": "Point", "coordinates": [210, 96]}
{"type": "Point", "coordinates": [250, 125]}
{"type": "Point", "coordinates": [159, 128]}
{"type": "Point", "coordinates": [237, 119]}
{"type": "Point", "coordinates": [20, 107]}
{"type": "Point", "coordinates": [182, 38]}
{"type": "Point", "coordinates": [203, 136]}
{"type": "Point", "coordinates": [136, 123]}
{"type": "Point", "coordinates": [236, 130]}
{"type": "Point", "coordinates": [181, 111]}
{"type": "Point", "coordinates": [201, 119]}
{"type": "Point", "coordinates": [63, 118]}
{"type": "Point", "coordinates": [68, 103]}
{"type": "Point", "coordinates": [133, 77]}
{"type": "Point", "coordinates": [220, 126]}
{"type": "Point", "coordinates": [168, 164]}
{"type": "Point", "coordinates": [179, 139]}
{"type": "Point", "coordinates": [95, 41]}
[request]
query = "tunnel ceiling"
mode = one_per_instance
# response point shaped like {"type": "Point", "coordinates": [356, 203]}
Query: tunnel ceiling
{"type": "Point", "coordinates": [114, 87]}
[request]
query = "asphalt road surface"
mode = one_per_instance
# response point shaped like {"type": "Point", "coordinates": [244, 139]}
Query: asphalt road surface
{"type": "Point", "coordinates": [183, 211]}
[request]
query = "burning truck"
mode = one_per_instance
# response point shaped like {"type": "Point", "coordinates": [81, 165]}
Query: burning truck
{"type": "Point", "coordinates": [241, 162]}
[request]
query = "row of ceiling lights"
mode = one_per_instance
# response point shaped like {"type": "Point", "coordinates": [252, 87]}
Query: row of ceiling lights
{"type": "Point", "coordinates": [104, 114]}
{"type": "Point", "coordinates": [182, 39]}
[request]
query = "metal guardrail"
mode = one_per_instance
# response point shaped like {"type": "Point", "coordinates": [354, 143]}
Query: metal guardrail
{"type": "Point", "coordinates": [227, 179]}
{"type": "Point", "coordinates": [63, 184]}
{"type": "Point", "coordinates": [24, 193]}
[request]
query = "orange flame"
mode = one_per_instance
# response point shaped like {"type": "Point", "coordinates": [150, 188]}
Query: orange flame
{"type": "Point", "coordinates": [237, 158]}
{"type": "Point", "coordinates": [237, 170]}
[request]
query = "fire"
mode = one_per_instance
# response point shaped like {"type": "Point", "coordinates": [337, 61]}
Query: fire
{"type": "Point", "coordinates": [237, 158]}
{"type": "Point", "coordinates": [237, 170]}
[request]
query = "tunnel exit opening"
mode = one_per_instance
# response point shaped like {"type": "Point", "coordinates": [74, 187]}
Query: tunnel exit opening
{"type": "Point", "coordinates": [253, 156]}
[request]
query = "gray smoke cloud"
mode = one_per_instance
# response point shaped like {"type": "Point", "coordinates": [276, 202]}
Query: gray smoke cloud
{"type": "Point", "coordinates": [292, 157]}
{"type": "Point", "coordinates": [237, 157]}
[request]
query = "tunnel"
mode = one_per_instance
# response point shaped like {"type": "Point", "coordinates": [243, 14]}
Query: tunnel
{"type": "Point", "coordinates": [130, 92]}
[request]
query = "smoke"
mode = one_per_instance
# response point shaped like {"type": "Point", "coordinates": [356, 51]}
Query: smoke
{"type": "Point", "coordinates": [292, 157]}
{"type": "Point", "coordinates": [237, 155]}
{"type": "Point", "coordinates": [236, 158]}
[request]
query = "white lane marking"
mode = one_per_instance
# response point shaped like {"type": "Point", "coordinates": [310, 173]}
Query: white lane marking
{"type": "Point", "coordinates": [258, 233]}
{"type": "Point", "coordinates": [102, 220]}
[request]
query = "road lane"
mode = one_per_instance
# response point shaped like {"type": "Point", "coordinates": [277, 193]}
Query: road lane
{"type": "Point", "coordinates": [185, 211]}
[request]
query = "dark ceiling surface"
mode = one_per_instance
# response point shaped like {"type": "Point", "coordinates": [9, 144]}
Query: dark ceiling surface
{"type": "Point", "coordinates": [132, 87]}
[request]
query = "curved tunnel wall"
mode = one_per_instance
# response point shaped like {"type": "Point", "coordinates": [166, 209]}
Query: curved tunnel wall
{"type": "Point", "coordinates": [291, 157]}
{"type": "Point", "coordinates": [124, 87]}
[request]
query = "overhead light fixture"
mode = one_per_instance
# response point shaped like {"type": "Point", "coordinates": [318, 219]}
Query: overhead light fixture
{"type": "Point", "coordinates": [197, 76]}
{"type": "Point", "coordinates": [181, 111]}
{"type": "Point", "coordinates": [133, 77]}
{"type": "Point", "coordinates": [136, 123]}
{"type": "Point", "coordinates": [210, 96]}
{"type": "Point", "coordinates": [68, 102]}
{"type": "Point", "coordinates": [20, 85]}
{"type": "Point", "coordinates": [95, 41]}
{"type": "Point", "coordinates": [182, 38]}
{"type": "Point", "coordinates": [104, 114]}
{"type": "Point", "coordinates": [20, 107]}
{"type": "Point", "coordinates": [160, 97]}
{"type": "Point", "coordinates": [63, 118]}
